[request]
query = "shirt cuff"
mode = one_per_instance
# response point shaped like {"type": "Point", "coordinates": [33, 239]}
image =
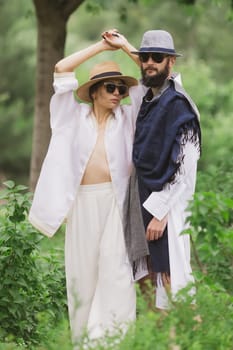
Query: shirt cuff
{"type": "Point", "coordinates": [155, 205]}
{"type": "Point", "coordinates": [64, 82]}
{"type": "Point", "coordinates": [64, 75]}
{"type": "Point", "coordinates": [159, 203]}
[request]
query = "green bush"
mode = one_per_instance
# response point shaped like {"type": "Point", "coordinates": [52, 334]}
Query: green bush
{"type": "Point", "coordinates": [32, 293]}
{"type": "Point", "coordinates": [32, 289]}
{"type": "Point", "coordinates": [211, 229]}
{"type": "Point", "coordinates": [204, 325]}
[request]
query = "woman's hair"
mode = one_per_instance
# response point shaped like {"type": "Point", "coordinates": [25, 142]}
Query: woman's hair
{"type": "Point", "coordinates": [94, 88]}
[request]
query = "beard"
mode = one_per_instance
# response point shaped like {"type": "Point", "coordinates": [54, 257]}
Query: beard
{"type": "Point", "coordinates": [157, 80]}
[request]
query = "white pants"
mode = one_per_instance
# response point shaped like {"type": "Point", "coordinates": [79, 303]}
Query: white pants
{"type": "Point", "coordinates": [100, 289]}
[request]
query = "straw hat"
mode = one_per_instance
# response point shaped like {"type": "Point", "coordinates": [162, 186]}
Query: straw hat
{"type": "Point", "coordinates": [103, 71]}
{"type": "Point", "coordinates": [157, 41]}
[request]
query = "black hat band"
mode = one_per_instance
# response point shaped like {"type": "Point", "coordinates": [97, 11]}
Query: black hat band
{"type": "Point", "coordinates": [106, 74]}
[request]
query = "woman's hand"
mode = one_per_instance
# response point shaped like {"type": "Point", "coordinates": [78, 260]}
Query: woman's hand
{"type": "Point", "coordinates": [114, 38]}
{"type": "Point", "coordinates": [107, 46]}
{"type": "Point", "coordinates": [116, 41]}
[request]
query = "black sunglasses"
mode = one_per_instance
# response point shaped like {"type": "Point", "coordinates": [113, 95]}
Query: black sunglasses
{"type": "Point", "coordinates": [111, 87]}
{"type": "Point", "coordinates": [156, 56]}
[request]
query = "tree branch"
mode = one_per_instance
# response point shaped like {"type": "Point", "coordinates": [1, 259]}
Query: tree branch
{"type": "Point", "coordinates": [47, 8]}
{"type": "Point", "coordinates": [70, 6]}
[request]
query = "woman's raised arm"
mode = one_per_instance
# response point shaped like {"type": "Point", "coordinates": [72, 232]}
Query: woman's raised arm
{"type": "Point", "coordinates": [69, 63]}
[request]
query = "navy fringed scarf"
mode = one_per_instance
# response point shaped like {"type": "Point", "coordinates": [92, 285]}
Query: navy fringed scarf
{"type": "Point", "coordinates": [163, 126]}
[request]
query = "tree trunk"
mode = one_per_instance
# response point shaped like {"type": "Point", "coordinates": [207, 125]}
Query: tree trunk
{"type": "Point", "coordinates": [52, 17]}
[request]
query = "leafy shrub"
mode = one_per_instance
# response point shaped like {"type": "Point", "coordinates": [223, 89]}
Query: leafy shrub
{"type": "Point", "coordinates": [32, 289]}
{"type": "Point", "coordinates": [217, 179]}
{"type": "Point", "coordinates": [206, 325]}
{"type": "Point", "coordinates": [211, 228]}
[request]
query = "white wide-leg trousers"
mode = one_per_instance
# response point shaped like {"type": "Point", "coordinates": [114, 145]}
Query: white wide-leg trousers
{"type": "Point", "coordinates": [100, 290]}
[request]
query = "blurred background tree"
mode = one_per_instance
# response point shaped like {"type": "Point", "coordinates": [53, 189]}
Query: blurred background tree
{"type": "Point", "coordinates": [52, 17]}
{"type": "Point", "coordinates": [202, 31]}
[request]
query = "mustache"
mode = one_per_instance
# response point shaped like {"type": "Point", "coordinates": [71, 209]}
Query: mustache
{"type": "Point", "coordinates": [151, 68]}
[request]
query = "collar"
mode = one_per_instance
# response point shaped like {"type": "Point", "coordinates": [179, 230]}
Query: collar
{"type": "Point", "coordinates": [149, 97]}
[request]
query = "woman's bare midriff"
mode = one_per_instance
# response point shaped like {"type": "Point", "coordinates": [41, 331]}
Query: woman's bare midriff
{"type": "Point", "coordinates": [97, 170]}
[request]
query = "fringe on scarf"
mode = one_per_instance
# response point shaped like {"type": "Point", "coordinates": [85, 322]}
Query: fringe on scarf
{"type": "Point", "coordinates": [140, 268]}
{"type": "Point", "coordinates": [190, 132]}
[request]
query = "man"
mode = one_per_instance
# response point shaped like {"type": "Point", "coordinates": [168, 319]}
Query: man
{"type": "Point", "coordinates": [165, 154]}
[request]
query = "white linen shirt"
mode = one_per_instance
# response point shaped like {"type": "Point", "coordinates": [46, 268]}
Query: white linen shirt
{"type": "Point", "coordinates": [73, 139]}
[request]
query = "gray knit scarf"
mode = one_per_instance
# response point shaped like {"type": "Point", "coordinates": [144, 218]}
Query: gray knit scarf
{"type": "Point", "coordinates": [134, 231]}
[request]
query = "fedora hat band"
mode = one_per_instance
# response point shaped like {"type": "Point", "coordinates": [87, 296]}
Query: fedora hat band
{"type": "Point", "coordinates": [106, 74]}
{"type": "Point", "coordinates": [157, 49]}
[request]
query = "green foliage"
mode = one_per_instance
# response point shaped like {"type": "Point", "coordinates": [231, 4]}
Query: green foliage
{"type": "Point", "coordinates": [17, 70]}
{"type": "Point", "coordinates": [215, 103]}
{"type": "Point", "coordinates": [217, 178]}
{"type": "Point", "coordinates": [16, 130]}
{"type": "Point", "coordinates": [198, 31]}
{"type": "Point", "coordinates": [211, 229]}
{"type": "Point", "coordinates": [205, 325]}
{"type": "Point", "coordinates": [32, 289]}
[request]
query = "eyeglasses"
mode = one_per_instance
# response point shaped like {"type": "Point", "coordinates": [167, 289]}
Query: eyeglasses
{"type": "Point", "coordinates": [157, 57]}
{"type": "Point", "coordinates": [111, 87]}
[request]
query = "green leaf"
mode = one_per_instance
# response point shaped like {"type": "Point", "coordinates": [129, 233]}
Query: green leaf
{"type": "Point", "coordinates": [21, 188]}
{"type": "Point", "coordinates": [9, 184]}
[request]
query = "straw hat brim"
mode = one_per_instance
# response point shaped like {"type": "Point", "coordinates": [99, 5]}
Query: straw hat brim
{"type": "Point", "coordinates": [83, 90]}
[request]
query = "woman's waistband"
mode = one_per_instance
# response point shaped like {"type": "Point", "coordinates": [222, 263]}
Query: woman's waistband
{"type": "Point", "coordinates": [95, 187]}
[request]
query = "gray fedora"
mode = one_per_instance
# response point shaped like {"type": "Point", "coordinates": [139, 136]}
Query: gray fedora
{"type": "Point", "coordinates": [157, 41]}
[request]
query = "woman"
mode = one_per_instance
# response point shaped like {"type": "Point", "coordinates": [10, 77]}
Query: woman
{"type": "Point", "coordinates": [83, 180]}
